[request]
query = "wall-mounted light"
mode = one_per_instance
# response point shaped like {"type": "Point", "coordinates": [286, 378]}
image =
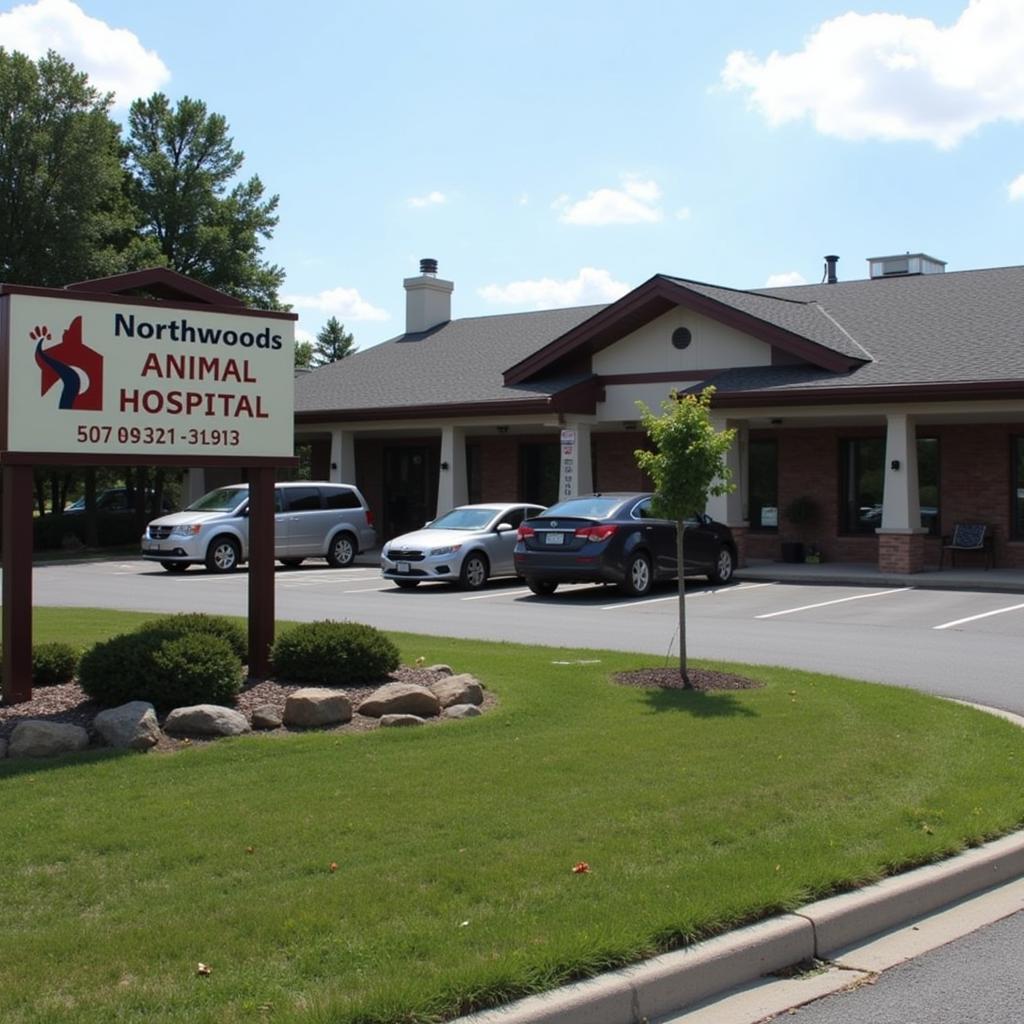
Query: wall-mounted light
{"type": "Point", "coordinates": [334, 465]}
{"type": "Point", "coordinates": [502, 430]}
{"type": "Point", "coordinates": [444, 465]}
{"type": "Point", "coordinates": [895, 464]}
{"type": "Point", "coordinates": [776, 423]}
{"type": "Point", "coordinates": [629, 424]}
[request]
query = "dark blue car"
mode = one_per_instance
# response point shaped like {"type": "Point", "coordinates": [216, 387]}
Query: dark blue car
{"type": "Point", "coordinates": [615, 538]}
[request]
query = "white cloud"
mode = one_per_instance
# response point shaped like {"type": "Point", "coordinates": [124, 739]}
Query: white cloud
{"type": "Point", "coordinates": [631, 204]}
{"type": "Point", "coordinates": [434, 198]}
{"type": "Point", "coordinates": [589, 286]}
{"type": "Point", "coordinates": [887, 76]}
{"type": "Point", "coordinates": [683, 213]}
{"type": "Point", "coordinates": [1016, 187]}
{"type": "Point", "coordinates": [113, 58]}
{"type": "Point", "coordinates": [790, 277]}
{"type": "Point", "coordinates": [344, 303]}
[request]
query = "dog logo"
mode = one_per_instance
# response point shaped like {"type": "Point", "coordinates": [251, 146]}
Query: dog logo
{"type": "Point", "coordinates": [72, 364]}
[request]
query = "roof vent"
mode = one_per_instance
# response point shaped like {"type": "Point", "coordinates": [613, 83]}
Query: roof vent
{"type": "Point", "coordinates": [907, 265]}
{"type": "Point", "coordinates": [830, 269]}
{"type": "Point", "coordinates": [428, 267]}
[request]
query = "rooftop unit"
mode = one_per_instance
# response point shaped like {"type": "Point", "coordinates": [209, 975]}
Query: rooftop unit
{"type": "Point", "coordinates": [906, 265]}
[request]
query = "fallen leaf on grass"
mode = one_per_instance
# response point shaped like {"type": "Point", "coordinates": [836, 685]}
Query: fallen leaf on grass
{"type": "Point", "coordinates": [203, 969]}
{"type": "Point", "coordinates": [582, 868]}
{"type": "Point", "coordinates": [334, 867]}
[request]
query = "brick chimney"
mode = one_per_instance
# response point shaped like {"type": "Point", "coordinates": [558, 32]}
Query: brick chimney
{"type": "Point", "coordinates": [428, 299]}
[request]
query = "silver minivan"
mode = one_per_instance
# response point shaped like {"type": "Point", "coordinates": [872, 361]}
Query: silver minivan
{"type": "Point", "coordinates": [312, 519]}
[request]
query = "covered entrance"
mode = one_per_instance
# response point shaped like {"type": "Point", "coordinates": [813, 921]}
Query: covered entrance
{"type": "Point", "coordinates": [409, 488]}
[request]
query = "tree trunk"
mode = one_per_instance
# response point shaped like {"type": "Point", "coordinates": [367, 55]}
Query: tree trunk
{"type": "Point", "coordinates": [684, 675]}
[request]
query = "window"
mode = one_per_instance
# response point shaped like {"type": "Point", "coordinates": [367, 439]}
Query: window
{"type": "Point", "coordinates": [539, 472]}
{"type": "Point", "coordinates": [1018, 488]}
{"type": "Point", "coordinates": [763, 484]}
{"type": "Point", "coordinates": [339, 497]}
{"type": "Point", "coordinates": [863, 480]}
{"type": "Point", "coordinates": [300, 499]}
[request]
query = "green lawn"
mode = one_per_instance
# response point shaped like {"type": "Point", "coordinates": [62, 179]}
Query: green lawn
{"type": "Point", "coordinates": [455, 845]}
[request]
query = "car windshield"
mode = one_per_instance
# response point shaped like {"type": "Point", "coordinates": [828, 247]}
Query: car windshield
{"type": "Point", "coordinates": [464, 519]}
{"type": "Point", "coordinates": [595, 507]}
{"type": "Point", "coordinates": [224, 499]}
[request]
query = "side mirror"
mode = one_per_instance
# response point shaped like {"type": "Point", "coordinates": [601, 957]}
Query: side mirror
{"type": "Point", "coordinates": [503, 528]}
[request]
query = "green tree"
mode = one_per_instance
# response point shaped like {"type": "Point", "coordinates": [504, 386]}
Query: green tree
{"type": "Point", "coordinates": [687, 465]}
{"type": "Point", "coordinates": [182, 163]}
{"type": "Point", "coordinates": [304, 353]}
{"type": "Point", "coordinates": [63, 208]}
{"type": "Point", "coordinates": [333, 342]}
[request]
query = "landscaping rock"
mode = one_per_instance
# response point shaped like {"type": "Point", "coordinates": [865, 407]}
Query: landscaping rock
{"type": "Point", "coordinates": [460, 689]}
{"type": "Point", "coordinates": [131, 726]}
{"type": "Point", "coordinates": [34, 738]}
{"type": "Point", "coordinates": [445, 670]}
{"type": "Point", "coordinates": [206, 720]}
{"type": "Point", "coordinates": [266, 716]}
{"type": "Point", "coordinates": [462, 711]}
{"type": "Point", "coordinates": [315, 706]}
{"type": "Point", "coordinates": [400, 699]}
{"type": "Point", "coordinates": [388, 721]}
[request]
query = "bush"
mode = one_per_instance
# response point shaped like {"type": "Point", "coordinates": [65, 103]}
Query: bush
{"type": "Point", "coordinates": [191, 623]}
{"type": "Point", "coordinates": [166, 671]}
{"type": "Point", "coordinates": [334, 653]}
{"type": "Point", "coordinates": [52, 664]}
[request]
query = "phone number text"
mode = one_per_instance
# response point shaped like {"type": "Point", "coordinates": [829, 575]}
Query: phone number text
{"type": "Point", "coordinates": [200, 436]}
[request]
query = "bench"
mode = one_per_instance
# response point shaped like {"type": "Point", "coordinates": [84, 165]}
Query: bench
{"type": "Point", "coordinates": [968, 537]}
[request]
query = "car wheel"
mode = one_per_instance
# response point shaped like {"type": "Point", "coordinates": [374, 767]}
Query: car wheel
{"type": "Point", "coordinates": [639, 578]}
{"type": "Point", "coordinates": [223, 555]}
{"type": "Point", "coordinates": [291, 562]}
{"type": "Point", "coordinates": [406, 584]}
{"type": "Point", "coordinates": [542, 588]}
{"type": "Point", "coordinates": [474, 572]}
{"type": "Point", "coordinates": [175, 566]}
{"type": "Point", "coordinates": [723, 569]}
{"type": "Point", "coordinates": [342, 551]}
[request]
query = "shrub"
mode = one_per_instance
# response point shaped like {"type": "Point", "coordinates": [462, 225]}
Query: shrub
{"type": "Point", "coordinates": [166, 671]}
{"type": "Point", "coordinates": [334, 653]}
{"type": "Point", "coordinates": [53, 664]}
{"type": "Point", "coordinates": [191, 623]}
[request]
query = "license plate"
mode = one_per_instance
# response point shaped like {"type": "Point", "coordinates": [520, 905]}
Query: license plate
{"type": "Point", "coordinates": [554, 538]}
{"type": "Point", "coordinates": [402, 567]}
{"type": "Point", "coordinates": [153, 549]}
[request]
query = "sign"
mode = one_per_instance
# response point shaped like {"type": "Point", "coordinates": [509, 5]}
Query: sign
{"type": "Point", "coordinates": [89, 377]}
{"type": "Point", "coordinates": [568, 437]}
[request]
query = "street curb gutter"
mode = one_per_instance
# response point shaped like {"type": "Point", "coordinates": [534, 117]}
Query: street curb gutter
{"type": "Point", "coordinates": [674, 981]}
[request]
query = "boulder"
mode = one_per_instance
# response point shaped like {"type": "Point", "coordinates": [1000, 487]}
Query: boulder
{"type": "Point", "coordinates": [131, 726]}
{"type": "Point", "coordinates": [266, 716]}
{"type": "Point", "coordinates": [206, 720]}
{"type": "Point", "coordinates": [444, 670]}
{"type": "Point", "coordinates": [462, 711]}
{"type": "Point", "coordinates": [390, 721]}
{"type": "Point", "coordinates": [400, 699]}
{"type": "Point", "coordinates": [315, 706]}
{"type": "Point", "coordinates": [35, 738]}
{"type": "Point", "coordinates": [460, 689]}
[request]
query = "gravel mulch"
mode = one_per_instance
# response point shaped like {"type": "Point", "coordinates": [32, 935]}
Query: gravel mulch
{"type": "Point", "coordinates": [702, 679]}
{"type": "Point", "coordinates": [68, 704]}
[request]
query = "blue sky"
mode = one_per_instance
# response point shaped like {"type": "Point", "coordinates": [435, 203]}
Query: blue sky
{"type": "Point", "coordinates": [559, 153]}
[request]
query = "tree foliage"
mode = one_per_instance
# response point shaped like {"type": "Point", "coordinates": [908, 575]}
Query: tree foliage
{"type": "Point", "coordinates": [687, 465]}
{"type": "Point", "coordinates": [333, 342]}
{"type": "Point", "coordinates": [304, 354]}
{"type": "Point", "coordinates": [64, 214]}
{"type": "Point", "coordinates": [182, 162]}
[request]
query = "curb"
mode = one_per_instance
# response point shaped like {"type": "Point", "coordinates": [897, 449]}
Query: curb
{"type": "Point", "coordinates": [678, 980]}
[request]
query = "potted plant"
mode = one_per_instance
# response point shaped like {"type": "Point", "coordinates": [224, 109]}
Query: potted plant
{"type": "Point", "coordinates": [801, 512]}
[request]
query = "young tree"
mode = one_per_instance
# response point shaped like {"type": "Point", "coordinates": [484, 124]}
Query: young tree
{"type": "Point", "coordinates": [304, 354]}
{"type": "Point", "coordinates": [62, 199]}
{"type": "Point", "coordinates": [182, 163]}
{"type": "Point", "coordinates": [333, 342]}
{"type": "Point", "coordinates": [687, 465]}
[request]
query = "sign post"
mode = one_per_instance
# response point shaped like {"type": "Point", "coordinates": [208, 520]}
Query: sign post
{"type": "Point", "coordinates": [148, 368]}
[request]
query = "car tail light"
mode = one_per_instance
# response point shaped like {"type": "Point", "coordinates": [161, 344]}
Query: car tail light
{"type": "Point", "coordinates": [369, 517]}
{"type": "Point", "coordinates": [525, 531]}
{"type": "Point", "coordinates": [596, 533]}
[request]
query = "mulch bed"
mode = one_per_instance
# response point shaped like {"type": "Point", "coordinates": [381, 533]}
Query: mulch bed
{"type": "Point", "coordinates": [69, 704]}
{"type": "Point", "coordinates": [703, 679]}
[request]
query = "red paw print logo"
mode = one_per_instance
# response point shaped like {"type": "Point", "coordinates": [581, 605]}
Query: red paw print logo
{"type": "Point", "coordinates": [40, 334]}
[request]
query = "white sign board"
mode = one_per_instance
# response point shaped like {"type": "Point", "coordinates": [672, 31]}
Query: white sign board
{"type": "Point", "coordinates": [89, 377]}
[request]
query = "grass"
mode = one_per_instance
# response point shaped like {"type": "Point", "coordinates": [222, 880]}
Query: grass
{"type": "Point", "coordinates": [455, 845]}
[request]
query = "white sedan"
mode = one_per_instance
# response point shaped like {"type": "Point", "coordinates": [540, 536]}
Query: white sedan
{"type": "Point", "coordinates": [467, 546]}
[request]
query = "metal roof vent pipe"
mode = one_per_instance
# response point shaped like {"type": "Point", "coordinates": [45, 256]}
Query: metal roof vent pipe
{"type": "Point", "coordinates": [830, 270]}
{"type": "Point", "coordinates": [428, 267]}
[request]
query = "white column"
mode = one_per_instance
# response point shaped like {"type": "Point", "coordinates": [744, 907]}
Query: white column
{"type": "Point", "coordinates": [343, 457]}
{"type": "Point", "coordinates": [731, 508]}
{"type": "Point", "coordinates": [576, 476]}
{"type": "Point", "coordinates": [452, 488]}
{"type": "Point", "coordinates": [193, 486]}
{"type": "Point", "coordinates": [901, 508]}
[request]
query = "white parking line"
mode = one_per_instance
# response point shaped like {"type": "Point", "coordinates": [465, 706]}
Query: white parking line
{"type": "Point", "coordinates": [838, 600]}
{"type": "Point", "coordinates": [366, 590]}
{"type": "Point", "coordinates": [983, 615]}
{"type": "Point", "coordinates": [497, 593]}
{"type": "Point", "coordinates": [632, 602]}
